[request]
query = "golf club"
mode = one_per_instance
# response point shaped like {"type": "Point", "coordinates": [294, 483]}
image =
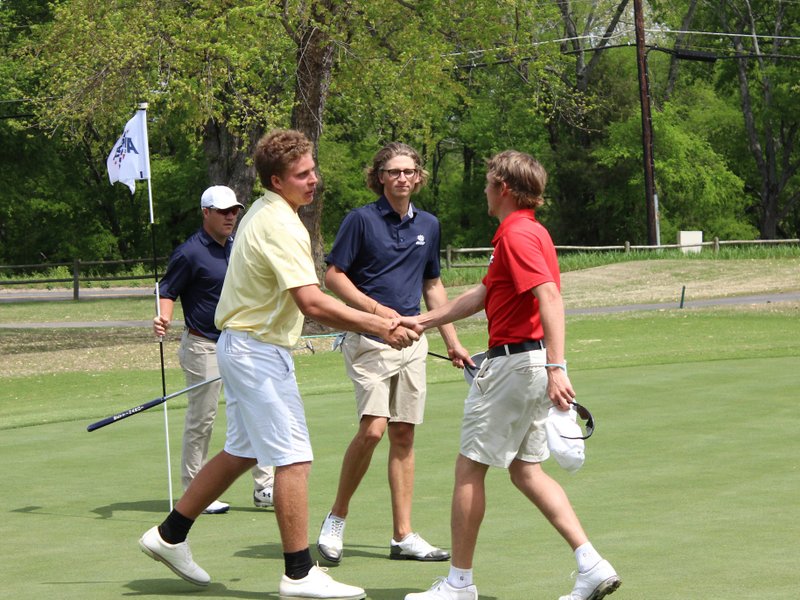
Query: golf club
{"type": "Point", "coordinates": [469, 371]}
{"type": "Point", "coordinates": [142, 407]}
{"type": "Point", "coordinates": [448, 359]}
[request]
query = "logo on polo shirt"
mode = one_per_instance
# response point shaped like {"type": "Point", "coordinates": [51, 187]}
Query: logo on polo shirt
{"type": "Point", "coordinates": [420, 240]}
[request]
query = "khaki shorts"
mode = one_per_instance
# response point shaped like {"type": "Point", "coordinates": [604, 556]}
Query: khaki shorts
{"type": "Point", "coordinates": [388, 383]}
{"type": "Point", "coordinates": [506, 410]}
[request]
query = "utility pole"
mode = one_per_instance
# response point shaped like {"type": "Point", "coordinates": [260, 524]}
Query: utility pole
{"type": "Point", "coordinates": [647, 127]}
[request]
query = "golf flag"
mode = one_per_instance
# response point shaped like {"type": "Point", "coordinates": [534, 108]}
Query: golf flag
{"type": "Point", "coordinates": [129, 159]}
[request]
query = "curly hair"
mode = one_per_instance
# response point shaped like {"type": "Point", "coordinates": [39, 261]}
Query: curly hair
{"type": "Point", "coordinates": [384, 155]}
{"type": "Point", "coordinates": [523, 174]}
{"type": "Point", "coordinates": [277, 150]}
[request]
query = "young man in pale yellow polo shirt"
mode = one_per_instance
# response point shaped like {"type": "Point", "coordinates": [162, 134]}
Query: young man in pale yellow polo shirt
{"type": "Point", "coordinates": [271, 283]}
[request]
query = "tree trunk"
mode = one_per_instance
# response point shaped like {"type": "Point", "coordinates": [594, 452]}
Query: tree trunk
{"type": "Point", "coordinates": [228, 158]}
{"type": "Point", "coordinates": [314, 71]}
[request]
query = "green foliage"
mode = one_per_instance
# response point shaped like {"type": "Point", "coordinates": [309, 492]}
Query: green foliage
{"type": "Point", "coordinates": [696, 188]}
{"type": "Point", "coordinates": [342, 167]}
{"type": "Point", "coordinates": [457, 79]}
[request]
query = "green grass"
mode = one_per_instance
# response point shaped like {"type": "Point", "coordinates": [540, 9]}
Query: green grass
{"type": "Point", "coordinates": [689, 485]}
{"type": "Point", "coordinates": [86, 310]}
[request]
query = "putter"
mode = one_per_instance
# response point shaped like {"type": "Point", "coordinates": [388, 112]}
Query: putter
{"type": "Point", "coordinates": [142, 407]}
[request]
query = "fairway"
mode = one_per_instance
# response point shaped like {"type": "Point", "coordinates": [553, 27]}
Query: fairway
{"type": "Point", "coordinates": [689, 486]}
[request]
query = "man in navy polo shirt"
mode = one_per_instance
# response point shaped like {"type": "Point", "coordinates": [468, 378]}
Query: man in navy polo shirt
{"type": "Point", "coordinates": [195, 274]}
{"type": "Point", "coordinates": [384, 259]}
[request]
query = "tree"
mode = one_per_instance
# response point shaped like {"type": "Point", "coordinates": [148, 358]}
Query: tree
{"type": "Point", "coordinates": [773, 134]}
{"type": "Point", "coordinates": [759, 73]}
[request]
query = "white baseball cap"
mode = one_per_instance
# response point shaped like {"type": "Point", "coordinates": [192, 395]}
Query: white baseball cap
{"type": "Point", "coordinates": [565, 438]}
{"type": "Point", "coordinates": [219, 196]}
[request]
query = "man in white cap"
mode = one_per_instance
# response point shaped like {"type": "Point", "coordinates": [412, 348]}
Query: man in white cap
{"type": "Point", "coordinates": [195, 274]}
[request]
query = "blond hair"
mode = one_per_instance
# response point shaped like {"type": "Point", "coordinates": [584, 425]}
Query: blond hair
{"type": "Point", "coordinates": [525, 177]}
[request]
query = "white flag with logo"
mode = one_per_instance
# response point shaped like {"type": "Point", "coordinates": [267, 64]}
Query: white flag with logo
{"type": "Point", "coordinates": [129, 159]}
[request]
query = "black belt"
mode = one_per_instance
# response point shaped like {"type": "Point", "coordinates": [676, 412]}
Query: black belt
{"type": "Point", "coordinates": [507, 349]}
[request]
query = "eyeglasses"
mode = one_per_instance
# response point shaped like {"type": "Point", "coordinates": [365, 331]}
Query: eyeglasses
{"type": "Point", "coordinates": [395, 173]}
{"type": "Point", "coordinates": [584, 414]}
{"type": "Point", "coordinates": [233, 210]}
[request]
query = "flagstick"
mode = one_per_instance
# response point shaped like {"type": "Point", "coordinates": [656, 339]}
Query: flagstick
{"type": "Point", "coordinates": [143, 106]}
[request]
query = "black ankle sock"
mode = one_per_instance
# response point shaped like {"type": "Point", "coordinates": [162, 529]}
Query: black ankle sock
{"type": "Point", "coordinates": [175, 528]}
{"type": "Point", "coordinates": [298, 564]}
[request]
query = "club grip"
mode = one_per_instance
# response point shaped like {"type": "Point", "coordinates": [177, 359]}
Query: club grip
{"type": "Point", "coordinates": [125, 414]}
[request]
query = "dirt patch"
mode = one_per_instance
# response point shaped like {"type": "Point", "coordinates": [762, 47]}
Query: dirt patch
{"type": "Point", "coordinates": [663, 280]}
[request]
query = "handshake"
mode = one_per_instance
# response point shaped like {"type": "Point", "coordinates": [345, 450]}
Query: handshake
{"type": "Point", "coordinates": [402, 331]}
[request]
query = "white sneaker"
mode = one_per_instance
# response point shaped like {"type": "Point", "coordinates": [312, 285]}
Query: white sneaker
{"type": "Point", "coordinates": [263, 498]}
{"type": "Point", "coordinates": [177, 557]}
{"type": "Point", "coordinates": [598, 582]}
{"type": "Point", "coordinates": [318, 584]}
{"type": "Point", "coordinates": [216, 508]}
{"type": "Point", "coordinates": [331, 538]}
{"type": "Point", "coordinates": [413, 547]}
{"type": "Point", "coordinates": [441, 590]}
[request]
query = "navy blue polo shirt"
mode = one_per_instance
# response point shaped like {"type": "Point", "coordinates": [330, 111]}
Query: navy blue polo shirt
{"type": "Point", "coordinates": [388, 257]}
{"type": "Point", "coordinates": [195, 274]}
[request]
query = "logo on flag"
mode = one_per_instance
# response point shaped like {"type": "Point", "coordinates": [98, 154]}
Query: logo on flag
{"type": "Point", "coordinates": [129, 159]}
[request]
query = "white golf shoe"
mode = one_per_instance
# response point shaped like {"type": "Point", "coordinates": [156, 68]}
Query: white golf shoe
{"type": "Point", "coordinates": [216, 508]}
{"type": "Point", "coordinates": [318, 584]}
{"type": "Point", "coordinates": [178, 557]}
{"type": "Point", "coordinates": [441, 590]}
{"type": "Point", "coordinates": [331, 538]}
{"type": "Point", "coordinates": [263, 498]}
{"type": "Point", "coordinates": [597, 583]}
{"type": "Point", "coordinates": [413, 547]}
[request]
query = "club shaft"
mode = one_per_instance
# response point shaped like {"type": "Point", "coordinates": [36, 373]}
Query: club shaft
{"type": "Point", "coordinates": [142, 407]}
{"type": "Point", "coordinates": [470, 368]}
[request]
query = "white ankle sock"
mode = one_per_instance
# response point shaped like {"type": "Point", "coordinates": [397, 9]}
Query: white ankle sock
{"type": "Point", "coordinates": [459, 578]}
{"type": "Point", "coordinates": [587, 557]}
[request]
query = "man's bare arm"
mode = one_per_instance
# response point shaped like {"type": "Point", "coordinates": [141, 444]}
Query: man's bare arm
{"type": "Point", "coordinates": [551, 312]}
{"type": "Point", "coordinates": [314, 303]}
{"type": "Point", "coordinates": [340, 284]}
{"type": "Point", "coordinates": [435, 296]}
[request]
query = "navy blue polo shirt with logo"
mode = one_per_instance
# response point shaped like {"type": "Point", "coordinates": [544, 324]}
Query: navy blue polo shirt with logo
{"type": "Point", "coordinates": [388, 257]}
{"type": "Point", "coordinates": [195, 274]}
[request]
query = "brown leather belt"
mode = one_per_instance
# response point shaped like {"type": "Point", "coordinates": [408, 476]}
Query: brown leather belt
{"type": "Point", "coordinates": [197, 333]}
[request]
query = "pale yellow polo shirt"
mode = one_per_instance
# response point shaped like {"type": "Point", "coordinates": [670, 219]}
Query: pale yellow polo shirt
{"type": "Point", "coordinates": [271, 255]}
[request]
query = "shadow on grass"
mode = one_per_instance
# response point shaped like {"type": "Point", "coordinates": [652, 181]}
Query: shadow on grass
{"type": "Point", "coordinates": [153, 506]}
{"type": "Point", "coordinates": [175, 587]}
{"type": "Point", "coordinates": [352, 552]}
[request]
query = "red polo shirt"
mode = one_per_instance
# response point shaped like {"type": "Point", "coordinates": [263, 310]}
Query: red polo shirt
{"type": "Point", "coordinates": [524, 257]}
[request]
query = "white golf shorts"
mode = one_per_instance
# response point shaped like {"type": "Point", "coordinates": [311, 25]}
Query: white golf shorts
{"type": "Point", "coordinates": [265, 413]}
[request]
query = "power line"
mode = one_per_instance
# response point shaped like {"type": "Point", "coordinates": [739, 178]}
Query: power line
{"type": "Point", "coordinates": [724, 34]}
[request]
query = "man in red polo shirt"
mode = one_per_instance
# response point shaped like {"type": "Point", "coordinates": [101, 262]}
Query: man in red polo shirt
{"type": "Point", "coordinates": [524, 374]}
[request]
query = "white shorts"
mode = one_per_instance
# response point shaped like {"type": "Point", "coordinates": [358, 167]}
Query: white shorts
{"type": "Point", "coordinates": [506, 410]}
{"type": "Point", "coordinates": [266, 417]}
